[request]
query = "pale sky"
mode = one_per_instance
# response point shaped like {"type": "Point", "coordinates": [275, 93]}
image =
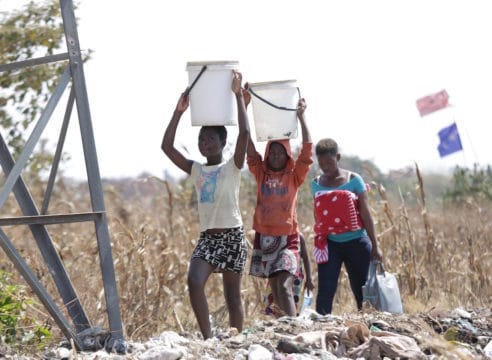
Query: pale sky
{"type": "Point", "coordinates": [361, 65]}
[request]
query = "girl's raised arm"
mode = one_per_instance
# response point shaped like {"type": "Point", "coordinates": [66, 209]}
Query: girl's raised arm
{"type": "Point", "coordinates": [169, 136]}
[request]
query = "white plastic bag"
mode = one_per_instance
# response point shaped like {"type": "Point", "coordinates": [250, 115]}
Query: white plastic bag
{"type": "Point", "coordinates": [307, 301]}
{"type": "Point", "coordinates": [381, 290]}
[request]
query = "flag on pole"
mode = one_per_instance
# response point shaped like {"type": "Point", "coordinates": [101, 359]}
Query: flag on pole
{"type": "Point", "coordinates": [430, 103]}
{"type": "Point", "coordinates": [449, 140]}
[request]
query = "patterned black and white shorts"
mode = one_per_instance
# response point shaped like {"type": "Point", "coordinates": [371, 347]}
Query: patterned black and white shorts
{"type": "Point", "coordinates": [226, 250]}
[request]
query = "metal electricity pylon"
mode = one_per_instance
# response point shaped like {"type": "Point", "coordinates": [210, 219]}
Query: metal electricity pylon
{"type": "Point", "coordinates": [37, 220]}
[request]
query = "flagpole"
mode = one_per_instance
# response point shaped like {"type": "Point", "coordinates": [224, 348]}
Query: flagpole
{"type": "Point", "coordinates": [461, 124]}
{"type": "Point", "coordinates": [463, 148]}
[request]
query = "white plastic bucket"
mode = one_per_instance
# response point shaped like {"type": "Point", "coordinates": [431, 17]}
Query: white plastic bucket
{"type": "Point", "coordinates": [272, 123]}
{"type": "Point", "coordinates": [212, 101]}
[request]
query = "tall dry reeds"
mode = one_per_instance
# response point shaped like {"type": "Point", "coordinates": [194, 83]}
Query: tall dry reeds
{"type": "Point", "coordinates": [441, 257]}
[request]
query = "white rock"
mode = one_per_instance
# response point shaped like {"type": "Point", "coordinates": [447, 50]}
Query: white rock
{"type": "Point", "coordinates": [137, 347]}
{"type": "Point", "coordinates": [64, 353]}
{"type": "Point", "coordinates": [162, 353]}
{"type": "Point", "coordinates": [258, 352]}
{"type": "Point", "coordinates": [99, 355]}
{"type": "Point", "coordinates": [241, 354]}
{"type": "Point", "coordinates": [488, 350]}
{"type": "Point", "coordinates": [462, 313]}
{"type": "Point", "coordinates": [170, 337]}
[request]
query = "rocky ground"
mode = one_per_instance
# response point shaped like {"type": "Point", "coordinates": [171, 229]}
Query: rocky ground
{"type": "Point", "coordinates": [457, 334]}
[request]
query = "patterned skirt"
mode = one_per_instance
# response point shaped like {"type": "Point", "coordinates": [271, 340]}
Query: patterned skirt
{"type": "Point", "coordinates": [226, 251]}
{"type": "Point", "coordinates": [272, 254]}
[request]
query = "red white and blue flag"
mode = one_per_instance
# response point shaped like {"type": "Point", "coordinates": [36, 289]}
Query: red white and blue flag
{"type": "Point", "coordinates": [430, 103]}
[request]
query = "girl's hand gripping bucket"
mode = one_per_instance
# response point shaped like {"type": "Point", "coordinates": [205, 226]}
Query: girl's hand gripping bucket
{"type": "Point", "coordinates": [212, 101]}
{"type": "Point", "coordinates": [274, 109]}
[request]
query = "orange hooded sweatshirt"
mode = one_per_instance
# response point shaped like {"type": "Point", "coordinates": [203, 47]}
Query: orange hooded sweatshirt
{"type": "Point", "coordinates": [276, 202]}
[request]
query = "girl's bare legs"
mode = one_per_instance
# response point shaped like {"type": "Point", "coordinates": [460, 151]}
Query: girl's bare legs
{"type": "Point", "coordinates": [198, 275]}
{"type": "Point", "coordinates": [232, 294]}
{"type": "Point", "coordinates": [281, 284]}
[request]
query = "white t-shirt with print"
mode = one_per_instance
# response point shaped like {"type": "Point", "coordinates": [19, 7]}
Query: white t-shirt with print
{"type": "Point", "coordinates": [217, 188]}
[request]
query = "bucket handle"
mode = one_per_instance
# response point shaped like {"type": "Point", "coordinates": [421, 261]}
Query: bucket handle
{"type": "Point", "coordinates": [271, 104]}
{"type": "Point", "coordinates": [187, 91]}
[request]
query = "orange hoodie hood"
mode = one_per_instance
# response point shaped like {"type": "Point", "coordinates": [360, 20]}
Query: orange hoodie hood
{"type": "Point", "coordinates": [286, 144]}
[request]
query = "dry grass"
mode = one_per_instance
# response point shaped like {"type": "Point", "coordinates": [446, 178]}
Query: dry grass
{"type": "Point", "coordinates": [442, 258]}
